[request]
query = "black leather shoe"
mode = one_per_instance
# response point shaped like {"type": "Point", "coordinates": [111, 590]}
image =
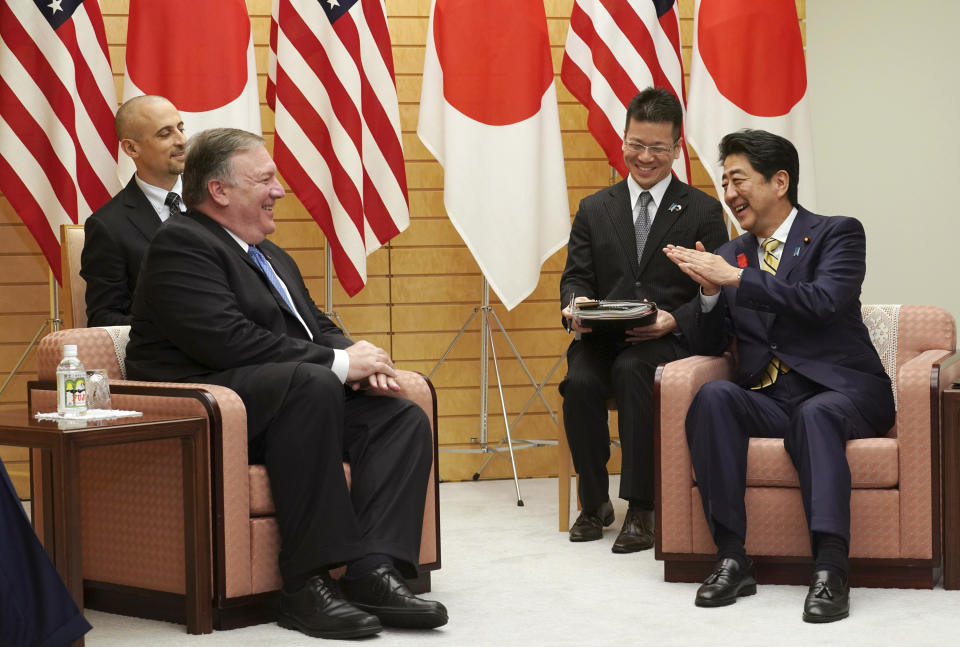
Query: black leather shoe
{"type": "Point", "coordinates": [727, 583]}
{"type": "Point", "coordinates": [637, 532]}
{"type": "Point", "coordinates": [320, 611]}
{"type": "Point", "coordinates": [828, 599]}
{"type": "Point", "coordinates": [589, 525]}
{"type": "Point", "coordinates": [385, 594]}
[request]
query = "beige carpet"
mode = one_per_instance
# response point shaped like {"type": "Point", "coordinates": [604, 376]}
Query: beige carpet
{"type": "Point", "coordinates": [509, 578]}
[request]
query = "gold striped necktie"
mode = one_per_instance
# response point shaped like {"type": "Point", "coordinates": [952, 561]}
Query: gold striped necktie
{"type": "Point", "coordinates": [775, 368]}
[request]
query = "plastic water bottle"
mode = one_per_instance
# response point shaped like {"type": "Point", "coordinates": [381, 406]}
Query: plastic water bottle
{"type": "Point", "coordinates": [71, 384]}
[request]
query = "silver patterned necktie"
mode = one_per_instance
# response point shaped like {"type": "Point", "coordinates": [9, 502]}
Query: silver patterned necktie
{"type": "Point", "coordinates": [641, 223]}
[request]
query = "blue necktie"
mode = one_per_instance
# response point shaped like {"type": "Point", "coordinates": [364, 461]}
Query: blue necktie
{"type": "Point", "coordinates": [268, 270]}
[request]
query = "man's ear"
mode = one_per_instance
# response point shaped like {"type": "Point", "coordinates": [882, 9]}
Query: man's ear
{"type": "Point", "coordinates": [218, 193]}
{"type": "Point", "coordinates": [781, 180]}
{"type": "Point", "coordinates": [130, 148]}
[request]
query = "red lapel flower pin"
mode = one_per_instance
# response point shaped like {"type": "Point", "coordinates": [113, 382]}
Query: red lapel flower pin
{"type": "Point", "coordinates": [741, 260]}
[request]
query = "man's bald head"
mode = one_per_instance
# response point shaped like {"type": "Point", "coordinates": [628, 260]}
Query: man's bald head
{"type": "Point", "coordinates": [130, 116]}
{"type": "Point", "coordinates": [151, 134]}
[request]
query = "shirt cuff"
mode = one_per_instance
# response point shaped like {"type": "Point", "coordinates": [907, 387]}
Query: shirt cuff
{"type": "Point", "coordinates": [707, 302]}
{"type": "Point", "coordinates": [341, 364]}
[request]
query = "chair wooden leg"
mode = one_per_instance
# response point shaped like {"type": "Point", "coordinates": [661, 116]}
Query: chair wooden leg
{"type": "Point", "coordinates": [564, 469]}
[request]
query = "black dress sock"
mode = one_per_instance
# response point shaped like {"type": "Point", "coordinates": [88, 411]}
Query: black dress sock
{"type": "Point", "coordinates": [366, 565]}
{"type": "Point", "coordinates": [729, 544]}
{"type": "Point", "coordinates": [297, 582]}
{"type": "Point", "coordinates": [831, 553]}
{"type": "Point", "coordinates": [640, 504]}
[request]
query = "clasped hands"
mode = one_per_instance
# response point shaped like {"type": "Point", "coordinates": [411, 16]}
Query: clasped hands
{"type": "Point", "coordinates": [370, 366]}
{"type": "Point", "coordinates": [664, 324]}
{"type": "Point", "coordinates": [706, 268]}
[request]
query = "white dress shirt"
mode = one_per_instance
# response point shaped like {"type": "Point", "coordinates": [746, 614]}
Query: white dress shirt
{"type": "Point", "coordinates": [157, 196]}
{"type": "Point", "coordinates": [656, 193]}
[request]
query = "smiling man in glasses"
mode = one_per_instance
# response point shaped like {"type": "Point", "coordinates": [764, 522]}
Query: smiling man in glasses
{"type": "Point", "coordinates": [615, 252]}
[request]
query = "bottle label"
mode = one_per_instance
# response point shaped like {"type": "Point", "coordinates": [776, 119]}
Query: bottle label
{"type": "Point", "coordinates": [75, 392]}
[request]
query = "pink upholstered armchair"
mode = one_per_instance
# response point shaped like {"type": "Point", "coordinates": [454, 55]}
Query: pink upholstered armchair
{"type": "Point", "coordinates": [895, 503]}
{"type": "Point", "coordinates": [131, 505]}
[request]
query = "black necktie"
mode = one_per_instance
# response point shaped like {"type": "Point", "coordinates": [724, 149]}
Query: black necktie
{"type": "Point", "coordinates": [173, 203]}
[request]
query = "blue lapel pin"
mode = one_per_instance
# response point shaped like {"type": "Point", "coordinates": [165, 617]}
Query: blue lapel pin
{"type": "Point", "coordinates": [796, 252]}
{"type": "Point", "coordinates": [674, 207]}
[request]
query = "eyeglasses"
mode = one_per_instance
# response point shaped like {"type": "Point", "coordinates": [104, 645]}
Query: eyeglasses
{"type": "Point", "coordinates": [656, 151]}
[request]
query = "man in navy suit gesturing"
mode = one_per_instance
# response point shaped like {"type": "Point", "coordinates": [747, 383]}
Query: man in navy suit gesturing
{"type": "Point", "coordinates": [788, 291]}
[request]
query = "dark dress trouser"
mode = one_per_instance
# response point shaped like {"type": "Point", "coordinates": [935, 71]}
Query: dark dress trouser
{"type": "Point", "coordinates": [598, 368]}
{"type": "Point", "coordinates": [815, 424]}
{"type": "Point", "coordinates": [35, 606]}
{"type": "Point", "coordinates": [304, 423]}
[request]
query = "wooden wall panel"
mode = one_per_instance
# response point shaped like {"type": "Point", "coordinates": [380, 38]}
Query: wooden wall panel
{"type": "Point", "coordinates": [422, 285]}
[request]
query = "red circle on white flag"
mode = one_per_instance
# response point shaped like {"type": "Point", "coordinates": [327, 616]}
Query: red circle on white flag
{"type": "Point", "coordinates": [754, 52]}
{"type": "Point", "coordinates": [495, 57]}
{"type": "Point", "coordinates": [193, 53]}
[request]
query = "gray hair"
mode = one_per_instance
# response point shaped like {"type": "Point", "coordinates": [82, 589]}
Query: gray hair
{"type": "Point", "coordinates": [209, 157]}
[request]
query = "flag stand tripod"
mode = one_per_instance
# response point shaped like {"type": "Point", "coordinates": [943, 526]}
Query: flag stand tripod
{"type": "Point", "coordinates": [53, 321]}
{"type": "Point", "coordinates": [488, 351]}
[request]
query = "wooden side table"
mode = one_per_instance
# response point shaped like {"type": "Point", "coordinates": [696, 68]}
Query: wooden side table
{"type": "Point", "coordinates": [60, 444]}
{"type": "Point", "coordinates": [950, 469]}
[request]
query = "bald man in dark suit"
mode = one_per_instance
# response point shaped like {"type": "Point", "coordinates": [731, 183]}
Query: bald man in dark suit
{"type": "Point", "coordinates": [116, 235]}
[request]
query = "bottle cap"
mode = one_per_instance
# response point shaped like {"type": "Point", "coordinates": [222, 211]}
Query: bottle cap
{"type": "Point", "coordinates": [70, 349]}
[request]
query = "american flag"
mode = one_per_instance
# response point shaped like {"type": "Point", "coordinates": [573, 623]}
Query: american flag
{"type": "Point", "coordinates": [58, 151]}
{"type": "Point", "coordinates": [615, 48]}
{"type": "Point", "coordinates": [337, 124]}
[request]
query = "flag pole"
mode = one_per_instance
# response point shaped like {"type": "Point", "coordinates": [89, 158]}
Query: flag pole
{"type": "Point", "coordinates": [328, 276]}
{"type": "Point", "coordinates": [53, 320]}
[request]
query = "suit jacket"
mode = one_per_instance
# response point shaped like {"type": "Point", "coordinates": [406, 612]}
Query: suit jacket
{"type": "Point", "coordinates": [205, 312]}
{"type": "Point", "coordinates": [115, 239]}
{"type": "Point", "coordinates": [602, 253]}
{"type": "Point", "coordinates": [808, 315]}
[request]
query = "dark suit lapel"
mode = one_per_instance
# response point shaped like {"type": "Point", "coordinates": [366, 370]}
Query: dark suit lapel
{"type": "Point", "coordinates": [671, 208]}
{"type": "Point", "coordinates": [794, 252]}
{"type": "Point", "coordinates": [292, 281]}
{"type": "Point", "coordinates": [218, 231]}
{"type": "Point", "coordinates": [620, 214]}
{"type": "Point", "coordinates": [140, 212]}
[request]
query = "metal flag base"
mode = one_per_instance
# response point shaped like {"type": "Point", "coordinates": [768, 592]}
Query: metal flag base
{"type": "Point", "coordinates": [54, 321]}
{"type": "Point", "coordinates": [488, 350]}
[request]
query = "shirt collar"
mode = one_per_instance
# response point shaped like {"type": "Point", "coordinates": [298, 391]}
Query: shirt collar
{"type": "Point", "coordinates": [656, 192]}
{"type": "Point", "coordinates": [158, 196]}
{"type": "Point", "coordinates": [783, 230]}
{"type": "Point", "coordinates": [244, 246]}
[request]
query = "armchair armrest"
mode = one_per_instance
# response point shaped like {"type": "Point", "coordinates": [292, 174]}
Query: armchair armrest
{"type": "Point", "coordinates": [917, 430]}
{"type": "Point", "coordinates": [675, 385]}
